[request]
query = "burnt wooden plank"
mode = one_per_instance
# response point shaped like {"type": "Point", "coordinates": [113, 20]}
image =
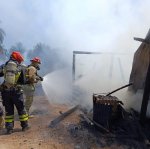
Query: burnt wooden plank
{"type": "Point", "coordinates": [100, 126]}
{"type": "Point", "coordinates": [55, 121]}
{"type": "Point", "coordinates": [88, 120]}
{"type": "Point", "coordinates": [141, 40]}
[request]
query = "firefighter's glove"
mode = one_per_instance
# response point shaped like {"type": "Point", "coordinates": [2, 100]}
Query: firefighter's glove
{"type": "Point", "coordinates": [39, 78]}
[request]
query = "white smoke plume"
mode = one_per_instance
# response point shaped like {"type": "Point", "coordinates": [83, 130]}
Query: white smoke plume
{"type": "Point", "coordinates": [74, 24]}
{"type": "Point", "coordinates": [88, 25]}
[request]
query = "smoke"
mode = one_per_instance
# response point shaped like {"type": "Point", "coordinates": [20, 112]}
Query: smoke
{"type": "Point", "coordinates": [74, 24]}
{"type": "Point", "coordinates": [133, 100]}
{"type": "Point", "coordinates": [99, 73]}
{"type": "Point", "coordinates": [58, 86]}
{"type": "Point", "coordinates": [104, 73]}
{"type": "Point", "coordinates": [88, 25]}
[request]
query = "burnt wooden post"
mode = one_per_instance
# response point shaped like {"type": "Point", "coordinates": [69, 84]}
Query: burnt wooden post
{"type": "Point", "coordinates": [73, 66]}
{"type": "Point", "coordinates": [74, 61]}
{"type": "Point", "coordinates": [146, 93]}
{"type": "Point", "coordinates": [145, 97]}
{"type": "Point", "coordinates": [111, 66]}
{"type": "Point", "coordinates": [121, 70]}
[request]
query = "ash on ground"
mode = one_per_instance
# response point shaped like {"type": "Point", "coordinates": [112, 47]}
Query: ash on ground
{"type": "Point", "coordinates": [125, 133]}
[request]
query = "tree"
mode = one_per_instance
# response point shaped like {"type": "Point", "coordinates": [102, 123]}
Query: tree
{"type": "Point", "coordinates": [50, 58]}
{"type": "Point", "coordinates": [2, 34]}
{"type": "Point", "coordinates": [17, 47]}
{"type": "Point", "coordinates": [2, 50]}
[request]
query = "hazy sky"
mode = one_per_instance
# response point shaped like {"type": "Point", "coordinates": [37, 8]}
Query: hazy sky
{"type": "Point", "coordinates": [104, 25]}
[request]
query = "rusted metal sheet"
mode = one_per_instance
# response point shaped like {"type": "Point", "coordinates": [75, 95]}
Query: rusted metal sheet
{"type": "Point", "coordinates": [105, 109]}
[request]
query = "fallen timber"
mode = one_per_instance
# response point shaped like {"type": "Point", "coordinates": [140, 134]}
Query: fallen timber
{"type": "Point", "coordinates": [89, 121]}
{"type": "Point", "coordinates": [93, 123]}
{"type": "Point", "coordinates": [108, 94]}
{"type": "Point", "coordinates": [142, 40]}
{"type": "Point", "coordinates": [55, 121]}
{"type": "Point", "coordinates": [119, 89]}
{"type": "Point", "coordinates": [101, 127]}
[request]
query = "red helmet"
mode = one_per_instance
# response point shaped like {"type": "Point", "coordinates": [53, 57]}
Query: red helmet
{"type": "Point", "coordinates": [36, 59]}
{"type": "Point", "coordinates": [17, 56]}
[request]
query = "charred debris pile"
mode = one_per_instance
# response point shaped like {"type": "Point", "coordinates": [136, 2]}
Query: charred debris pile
{"type": "Point", "coordinates": [108, 123]}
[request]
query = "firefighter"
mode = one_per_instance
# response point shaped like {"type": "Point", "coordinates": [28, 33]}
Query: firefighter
{"type": "Point", "coordinates": [12, 93]}
{"type": "Point", "coordinates": [1, 118]}
{"type": "Point", "coordinates": [32, 79]}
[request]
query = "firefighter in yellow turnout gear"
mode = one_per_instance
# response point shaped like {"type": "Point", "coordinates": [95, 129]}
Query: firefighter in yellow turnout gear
{"type": "Point", "coordinates": [12, 93]}
{"type": "Point", "coordinates": [32, 78]}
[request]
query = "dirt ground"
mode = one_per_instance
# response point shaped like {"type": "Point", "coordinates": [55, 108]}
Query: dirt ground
{"type": "Point", "coordinates": [66, 135]}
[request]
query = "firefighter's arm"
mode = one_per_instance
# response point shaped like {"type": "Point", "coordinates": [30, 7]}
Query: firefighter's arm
{"type": "Point", "coordinates": [39, 78]}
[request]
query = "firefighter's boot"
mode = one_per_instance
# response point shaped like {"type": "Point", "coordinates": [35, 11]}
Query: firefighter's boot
{"type": "Point", "coordinates": [25, 125]}
{"type": "Point", "coordinates": [25, 128]}
{"type": "Point", "coordinates": [9, 131]}
{"type": "Point", "coordinates": [9, 127]}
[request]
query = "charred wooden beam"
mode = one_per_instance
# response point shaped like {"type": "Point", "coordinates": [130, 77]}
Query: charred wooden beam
{"type": "Point", "coordinates": [121, 70]}
{"type": "Point", "coordinates": [142, 40]}
{"type": "Point", "coordinates": [100, 126]}
{"type": "Point", "coordinates": [111, 66]}
{"type": "Point", "coordinates": [55, 121]}
{"type": "Point", "coordinates": [92, 122]}
{"type": "Point", "coordinates": [74, 60]}
{"type": "Point", "coordinates": [85, 52]}
{"type": "Point", "coordinates": [73, 66]}
{"type": "Point", "coordinates": [146, 95]}
{"type": "Point", "coordinates": [119, 89]}
{"type": "Point", "coordinates": [88, 120]}
{"type": "Point", "coordinates": [139, 129]}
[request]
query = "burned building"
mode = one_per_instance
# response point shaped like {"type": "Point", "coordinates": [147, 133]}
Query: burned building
{"type": "Point", "coordinates": [140, 64]}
